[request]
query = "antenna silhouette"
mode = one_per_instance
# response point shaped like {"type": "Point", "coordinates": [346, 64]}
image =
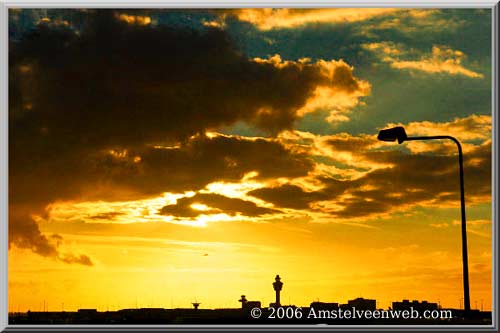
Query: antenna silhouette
{"type": "Point", "coordinates": [195, 304]}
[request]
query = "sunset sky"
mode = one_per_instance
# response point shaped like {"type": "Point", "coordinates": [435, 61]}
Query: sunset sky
{"type": "Point", "coordinates": [158, 157]}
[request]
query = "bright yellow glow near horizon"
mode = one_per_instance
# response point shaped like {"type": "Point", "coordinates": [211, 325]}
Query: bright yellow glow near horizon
{"type": "Point", "coordinates": [171, 265]}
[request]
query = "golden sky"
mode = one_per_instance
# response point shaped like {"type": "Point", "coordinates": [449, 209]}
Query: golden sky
{"type": "Point", "coordinates": [159, 157]}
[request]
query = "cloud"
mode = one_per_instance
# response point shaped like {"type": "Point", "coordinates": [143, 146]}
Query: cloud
{"type": "Point", "coordinates": [81, 259]}
{"type": "Point", "coordinates": [393, 178]}
{"type": "Point", "coordinates": [121, 111]}
{"type": "Point", "coordinates": [385, 49]}
{"type": "Point", "coordinates": [468, 130]}
{"type": "Point", "coordinates": [426, 179]}
{"type": "Point", "coordinates": [481, 228]}
{"type": "Point", "coordinates": [412, 179]}
{"type": "Point", "coordinates": [339, 93]}
{"type": "Point", "coordinates": [439, 225]}
{"type": "Point", "coordinates": [26, 235]}
{"type": "Point", "coordinates": [351, 150]}
{"type": "Point", "coordinates": [78, 93]}
{"type": "Point", "coordinates": [120, 85]}
{"type": "Point", "coordinates": [442, 60]}
{"type": "Point", "coordinates": [473, 127]}
{"type": "Point", "coordinates": [210, 203]}
{"type": "Point", "coordinates": [414, 23]}
{"type": "Point", "coordinates": [106, 216]}
{"type": "Point", "coordinates": [474, 222]}
{"type": "Point", "coordinates": [201, 161]}
{"type": "Point", "coordinates": [145, 172]}
{"type": "Point", "coordinates": [287, 196]}
{"type": "Point", "coordinates": [285, 18]}
{"type": "Point", "coordinates": [344, 142]}
{"type": "Point", "coordinates": [134, 19]}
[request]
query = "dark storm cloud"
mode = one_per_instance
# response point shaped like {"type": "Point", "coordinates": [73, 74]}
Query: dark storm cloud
{"type": "Point", "coordinates": [119, 83]}
{"type": "Point", "coordinates": [193, 165]}
{"type": "Point", "coordinates": [412, 179]}
{"type": "Point", "coordinates": [75, 94]}
{"type": "Point", "coordinates": [113, 85]}
{"type": "Point", "coordinates": [145, 171]}
{"type": "Point", "coordinates": [217, 204]}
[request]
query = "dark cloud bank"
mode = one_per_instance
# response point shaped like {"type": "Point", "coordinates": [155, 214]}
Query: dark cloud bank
{"type": "Point", "coordinates": [74, 96]}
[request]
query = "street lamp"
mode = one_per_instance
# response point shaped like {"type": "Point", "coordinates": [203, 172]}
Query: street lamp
{"type": "Point", "coordinates": [399, 134]}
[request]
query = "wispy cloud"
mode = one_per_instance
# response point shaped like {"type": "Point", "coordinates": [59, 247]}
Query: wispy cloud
{"type": "Point", "coordinates": [271, 18]}
{"type": "Point", "coordinates": [441, 60]}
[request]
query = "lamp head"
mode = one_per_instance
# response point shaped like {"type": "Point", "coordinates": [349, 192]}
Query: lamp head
{"type": "Point", "coordinates": [393, 134]}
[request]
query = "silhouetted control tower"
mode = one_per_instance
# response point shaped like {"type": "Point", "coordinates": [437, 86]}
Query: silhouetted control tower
{"type": "Point", "coordinates": [277, 285]}
{"type": "Point", "coordinates": [243, 301]}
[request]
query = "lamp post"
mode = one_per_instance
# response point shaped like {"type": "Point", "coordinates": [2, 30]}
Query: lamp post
{"type": "Point", "coordinates": [399, 134]}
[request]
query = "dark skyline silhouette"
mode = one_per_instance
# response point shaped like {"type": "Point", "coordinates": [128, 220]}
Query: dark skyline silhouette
{"type": "Point", "coordinates": [315, 312]}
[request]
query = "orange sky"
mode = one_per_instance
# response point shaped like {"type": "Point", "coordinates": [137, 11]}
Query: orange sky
{"type": "Point", "coordinates": [200, 165]}
{"type": "Point", "coordinates": [388, 260]}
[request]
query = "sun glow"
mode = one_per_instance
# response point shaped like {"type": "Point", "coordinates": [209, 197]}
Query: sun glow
{"type": "Point", "coordinates": [233, 190]}
{"type": "Point", "coordinates": [201, 207]}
